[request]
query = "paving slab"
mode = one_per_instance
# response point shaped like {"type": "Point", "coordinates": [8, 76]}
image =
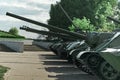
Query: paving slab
{"type": "Point", "coordinates": [40, 65]}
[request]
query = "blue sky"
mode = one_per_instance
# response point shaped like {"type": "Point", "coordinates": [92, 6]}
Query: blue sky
{"type": "Point", "coordinates": [33, 9]}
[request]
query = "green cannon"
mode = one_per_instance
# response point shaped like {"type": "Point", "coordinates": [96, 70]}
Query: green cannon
{"type": "Point", "coordinates": [95, 58]}
{"type": "Point", "coordinates": [90, 38]}
{"type": "Point", "coordinates": [50, 33]}
{"type": "Point", "coordinates": [104, 59]}
{"type": "Point", "coordinates": [53, 28]}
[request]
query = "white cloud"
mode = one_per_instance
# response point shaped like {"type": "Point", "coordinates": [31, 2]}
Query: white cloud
{"type": "Point", "coordinates": [6, 18]}
{"type": "Point", "coordinates": [44, 1]}
{"type": "Point", "coordinates": [39, 17]}
{"type": "Point", "coordinates": [20, 5]}
{"type": "Point", "coordinates": [40, 8]}
{"type": "Point", "coordinates": [42, 17]}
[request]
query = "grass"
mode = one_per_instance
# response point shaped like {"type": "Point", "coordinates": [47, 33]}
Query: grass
{"type": "Point", "coordinates": [3, 70]}
{"type": "Point", "coordinates": [8, 35]}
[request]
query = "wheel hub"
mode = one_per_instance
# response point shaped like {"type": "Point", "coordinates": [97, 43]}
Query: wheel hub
{"type": "Point", "coordinates": [93, 60]}
{"type": "Point", "coordinates": [108, 72]}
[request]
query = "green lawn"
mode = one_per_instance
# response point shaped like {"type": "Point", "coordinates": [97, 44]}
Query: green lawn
{"type": "Point", "coordinates": [3, 70]}
{"type": "Point", "coordinates": [8, 35]}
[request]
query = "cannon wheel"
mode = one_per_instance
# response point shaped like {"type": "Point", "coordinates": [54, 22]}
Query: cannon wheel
{"type": "Point", "coordinates": [107, 72]}
{"type": "Point", "coordinates": [83, 67]}
{"type": "Point", "coordinates": [102, 68]}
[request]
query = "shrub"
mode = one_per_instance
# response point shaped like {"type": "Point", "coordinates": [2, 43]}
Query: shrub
{"type": "Point", "coordinates": [83, 24]}
{"type": "Point", "coordinates": [13, 31]}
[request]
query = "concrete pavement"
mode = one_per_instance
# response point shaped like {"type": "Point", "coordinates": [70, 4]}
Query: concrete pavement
{"type": "Point", "coordinates": [40, 65]}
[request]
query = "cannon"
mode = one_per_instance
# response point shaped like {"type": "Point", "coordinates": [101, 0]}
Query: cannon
{"type": "Point", "coordinates": [104, 59]}
{"type": "Point", "coordinates": [53, 28]}
{"type": "Point", "coordinates": [94, 59]}
{"type": "Point", "coordinates": [73, 35]}
{"type": "Point", "coordinates": [62, 49]}
{"type": "Point", "coordinates": [50, 33]}
{"type": "Point", "coordinates": [91, 38]}
{"type": "Point", "coordinates": [57, 48]}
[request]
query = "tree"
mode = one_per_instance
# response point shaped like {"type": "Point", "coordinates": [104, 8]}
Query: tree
{"type": "Point", "coordinates": [94, 10]}
{"type": "Point", "coordinates": [13, 31]}
{"type": "Point", "coordinates": [83, 24]}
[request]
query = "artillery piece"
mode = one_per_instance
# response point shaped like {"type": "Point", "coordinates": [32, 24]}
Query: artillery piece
{"type": "Point", "coordinates": [57, 48]}
{"type": "Point", "coordinates": [93, 39]}
{"type": "Point", "coordinates": [76, 36]}
{"type": "Point", "coordinates": [50, 33]}
{"type": "Point", "coordinates": [53, 28]}
{"type": "Point", "coordinates": [91, 58]}
{"type": "Point", "coordinates": [104, 59]}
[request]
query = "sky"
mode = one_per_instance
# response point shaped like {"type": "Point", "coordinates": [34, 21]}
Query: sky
{"type": "Point", "coordinates": [33, 9]}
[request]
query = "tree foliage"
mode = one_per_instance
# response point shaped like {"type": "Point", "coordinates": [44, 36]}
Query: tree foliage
{"type": "Point", "coordinates": [83, 24]}
{"type": "Point", "coordinates": [94, 10]}
{"type": "Point", "coordinates": [13, 31]}
{"type": "Point", "coordinates": [117, 11]}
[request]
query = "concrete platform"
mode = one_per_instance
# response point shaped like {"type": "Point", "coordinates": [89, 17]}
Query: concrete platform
{"type": "Point", "coordinates": [40, 66]}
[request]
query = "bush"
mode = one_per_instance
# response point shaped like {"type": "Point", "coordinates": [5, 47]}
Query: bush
{"type": "Point", "coordinates": [83, 24]}
{"type": "Point", "coordinates": [3, 70]}
{"type": "Point", "coordinates": [13, 31]}
{"type": "Point", "coordinates": [4, 34]}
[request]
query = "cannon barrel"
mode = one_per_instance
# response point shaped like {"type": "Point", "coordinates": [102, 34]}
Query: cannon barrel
{"type": "Point", "coordinates": [50, 33]}
{"type": "Point", "coordinates": [113, 19]}
{"type": "Point", "coordinates": [72, 34]}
